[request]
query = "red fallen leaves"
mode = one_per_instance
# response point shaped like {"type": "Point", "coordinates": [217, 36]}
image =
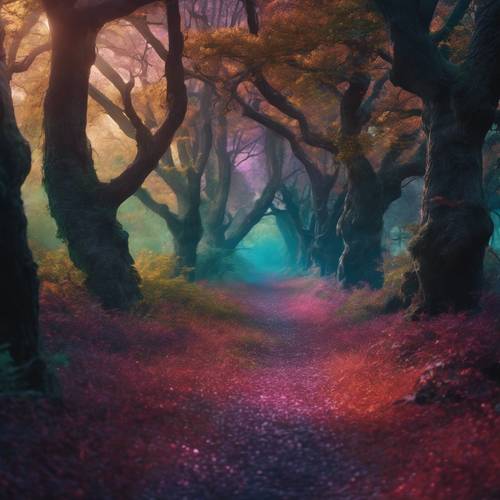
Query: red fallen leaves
{"type": "Point", "coordinates": [417, 399]}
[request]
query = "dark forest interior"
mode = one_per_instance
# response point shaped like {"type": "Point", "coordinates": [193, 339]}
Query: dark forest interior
{"type": "Point", "coordinates": [249, 249]}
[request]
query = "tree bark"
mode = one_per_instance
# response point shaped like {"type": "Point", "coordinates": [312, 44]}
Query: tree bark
{"type": "Point", "coordinates": [334, 244]}
{"type": "Point", "coordinates": [449, 248]}
{"type": "Point", "coordinates": [459, 108]}
{"type": "Point", "coordinates": [97, 243]}
{"type": "Point", "coordinates": [186, 228]}
{"type": "Point", "coordinates": [84, 208]}
{"type": "Point", "coordinates": [361, 222]}
{"type": "Point", "coordinates": [19, 328]}
{"type": "Point", "coordinates": [361, 227]}
{"type": "Point", "coordinates": [186, 241]}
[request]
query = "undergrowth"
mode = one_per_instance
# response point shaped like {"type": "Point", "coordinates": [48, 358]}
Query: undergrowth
{"type": "Point", "coordinates": [159, 285]}
{"type": "Point", "coordinates": [363, 304]}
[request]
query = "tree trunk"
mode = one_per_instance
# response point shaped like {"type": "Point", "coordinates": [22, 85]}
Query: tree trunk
{"type": "Point", "coordinates": [97, 243]}
{"type": "Point", "coordinates": [361, 222]}
{"type": "Point", "coordinates": [361, 227]}
{"type": "Point", "coordinates": [19, 284]}
{"type": "Point", "coordinates": [326, 245]}
{"type": "Point", "coordinates": [186, 245]}
{"type": "Point", "coordinates": [188, 231]}
{"type": "Point", "coordinates": [215, 224]}
{"type": "Point", "coordinates": [459, 108]}
{"type": "Point", "coordinates": [449, 248]}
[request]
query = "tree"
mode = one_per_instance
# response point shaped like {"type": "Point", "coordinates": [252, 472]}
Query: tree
{"type": "Point", "coordinates": [460, 101]}
{"type": "Point", "coordinates": [194, 152]}
{"type": "Point", "coordinates": [362, 218]}
{"type": "Point", "coordinates": [370, 192]}
{"type": "Point", "coordinates": [295, 220]}
{"type": "Point", "coordinates": [322, 180]}
{"type": "Point", "coordinates": [225, 231]}
{"type": "Point", "coordinates": [19, 328]}
{"type": "Point", "coordinates": [193, 147]}
{"type": "Point", "coordinates": [84, 207]}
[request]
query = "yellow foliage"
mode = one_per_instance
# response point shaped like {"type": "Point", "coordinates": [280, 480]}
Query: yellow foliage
{"type": "Point", "coordinates": [160, 286]}
{"type": "Point", "coordinates": [56, 268]}
{"type": "Point", "coordinates": [321, 36]}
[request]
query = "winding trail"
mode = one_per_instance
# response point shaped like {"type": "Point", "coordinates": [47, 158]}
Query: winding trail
{"type": "Point", "coordinates": [272, 433]}
{"type": "Point", "coordinates": [287, 390]}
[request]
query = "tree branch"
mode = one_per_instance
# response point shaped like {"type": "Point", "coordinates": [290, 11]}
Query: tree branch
{"type": "Point", "coordinates": [418, 66]}
{"type": "Point", "coordinates": [312, 169]}
{"type": "Point", "coordinates": [127, 183]}
{"type": "Point", "coordinates": [252, 16]}
{"type": "Point", "coordinates": [275, 157]}
{"type": "Point", "coordinates": [452, 22]}
{"type": "Point", "coordinates": [160, 209]}
{"type": "Point", "coordinates": [25, 64]}
{"type": "Point", "coordinates": [114, 111]}
{"type": "Point", "coordinates": [100, 12]}
{"type": "Point", "coordinates": [140, 23]}
{"type": "Point", "coordinates": [351, 117]}
{"type": "Point", "coordinates": [279, 100]}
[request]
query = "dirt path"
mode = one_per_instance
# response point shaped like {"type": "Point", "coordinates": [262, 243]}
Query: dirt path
{"type": "Point", "coordinates": [273, 434]}
{"type": "Point", "coordinates": [290, 400]}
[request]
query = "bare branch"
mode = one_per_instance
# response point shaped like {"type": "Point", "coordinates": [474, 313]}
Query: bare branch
{"type": "Point", "coordinates": [27, 61]}
{"type": "Point", "coordinates": [127, 183]}
{"type": "Point", "coordinates": [452, 22]}
{"type": "Point", "coordinates": [160, 209]}
{"type": "Point", "coordinates": [278, 99]}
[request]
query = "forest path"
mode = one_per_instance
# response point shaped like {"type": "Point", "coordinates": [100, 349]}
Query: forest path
{"type": "Point", "coordinates": [272, 434]}
{"type": "Point", "coordinates": [284, 390]}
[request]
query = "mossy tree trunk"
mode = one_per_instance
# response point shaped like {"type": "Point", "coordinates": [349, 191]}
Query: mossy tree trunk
{"type": "Point", "coordinates": [19, 328]}
{"type": "Point", "coordinates": [84, 208]}
{"type": "Point", "coordinates": [459, 109]}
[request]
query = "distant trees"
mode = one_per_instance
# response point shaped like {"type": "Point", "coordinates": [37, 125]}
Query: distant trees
{"type": "Point", "coordinates": [200, 165]}
{"type": "Point", "coordinates": [226, 231]}
{"type": "Point", "coordinates": [295, 220]}
{"type": "Point", "coordinates": [84, 207]}
{"type": "Point", "coordinates": [320, 90]}
{"type": "Point", "coordinates": [460, 101]}
{"type": "Point", "coordinates": [361, 220]}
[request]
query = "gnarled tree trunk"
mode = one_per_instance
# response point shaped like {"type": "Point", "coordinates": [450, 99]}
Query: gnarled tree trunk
{"type": "Point", "coordinates": [361, 222]}
{"type": "Point", "coordinates": [449, 247]}
{"type": "Point", "coordinates": [361, 226]}
{"type": "Point", "coordinates": [84, 208]}
{"type": "Point", "coordinates": [19, 283]}
{"type": "Point", "coordinates": [326, 245]}
{"type": "Point", "coordinates": [459, 108]}
{"type": "Point", "coordinates": [97, 243]}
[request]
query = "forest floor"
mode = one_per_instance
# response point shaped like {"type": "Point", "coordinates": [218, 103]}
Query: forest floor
{"type": "Point", "coordinates": [289, 392]}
